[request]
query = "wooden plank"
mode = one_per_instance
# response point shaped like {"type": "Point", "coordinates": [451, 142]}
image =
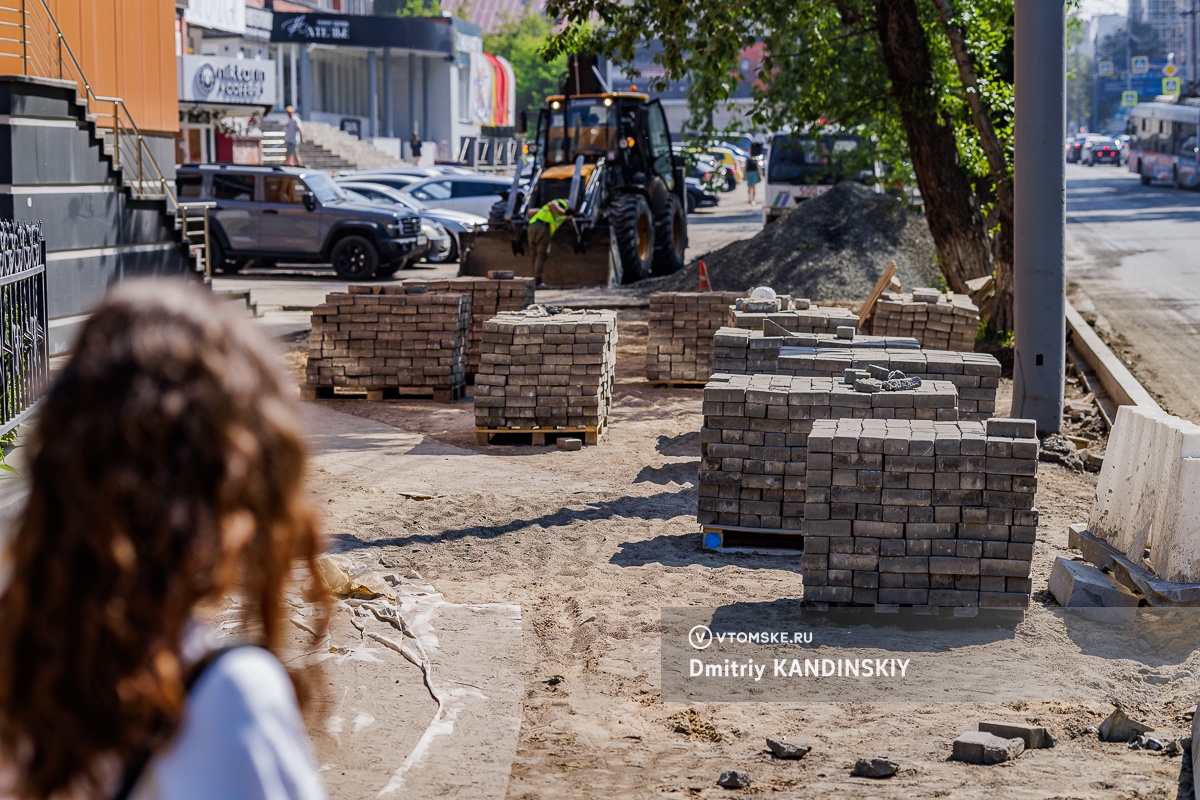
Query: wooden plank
{"type": "Point", "coordinates": [868, 308]}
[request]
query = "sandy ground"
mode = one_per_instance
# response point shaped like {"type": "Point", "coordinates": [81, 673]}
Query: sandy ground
{"type": "Point", "coordinates": [591, 545]}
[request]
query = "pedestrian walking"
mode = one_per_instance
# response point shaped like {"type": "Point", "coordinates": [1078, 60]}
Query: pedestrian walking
{"type": "Point", "coordinates": [167, 472]}
{"type": "Point", "coordinates": [415, 144]}
{"type": "Point", "coordinates": [541, 230]}
{"type": "Point", "coordinates": [293, 137]}
{"type": "Point", "coordinates": [753, 176]}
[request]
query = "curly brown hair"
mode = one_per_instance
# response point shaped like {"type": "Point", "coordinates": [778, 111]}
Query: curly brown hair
{"type": "Point", "coordinates": [167, 470]}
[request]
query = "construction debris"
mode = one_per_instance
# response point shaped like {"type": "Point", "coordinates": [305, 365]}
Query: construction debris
{"type": "Point", "coordinates": [786, 751]}
{"type": "Point", "coordinates": [1035, 737]}
{"type": "Point", "coordinates": [1077, 585]}
{"type": "Point", "coordinates": [979, 747]}
{"type": "Point", "coordinates": [874, 768]}
{"type": "Point", "coordinates": [1119, 727]}
{"type": "Point", "coordinates": [733, 779]}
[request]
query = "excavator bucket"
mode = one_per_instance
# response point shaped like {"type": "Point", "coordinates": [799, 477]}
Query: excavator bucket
{"type": "Point", "coordinates": [567, 266]}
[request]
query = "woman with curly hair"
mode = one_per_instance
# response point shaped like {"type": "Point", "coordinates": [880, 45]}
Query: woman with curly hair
{"type": "Point", "coordinates": [167, 473]}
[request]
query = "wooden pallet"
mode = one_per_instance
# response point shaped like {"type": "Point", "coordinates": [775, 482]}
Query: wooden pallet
{"type": "Point", "coordinates": [732, 538]}
{"type": "Point", "coordinates": [537, 435]}
{"type": "Point", "coordinates": [679, 384]}
{"type": "Point", "coordinates": [378, 394]}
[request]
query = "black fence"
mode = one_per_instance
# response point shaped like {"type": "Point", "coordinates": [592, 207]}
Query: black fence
{"type": "Point", "coordinates": [24, 354]}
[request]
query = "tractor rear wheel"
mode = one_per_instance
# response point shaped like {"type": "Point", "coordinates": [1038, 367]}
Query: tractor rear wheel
{"type": "Point", "coordinates": [632, 227]}
{"type": "Point", "coordinates": [670, 238]}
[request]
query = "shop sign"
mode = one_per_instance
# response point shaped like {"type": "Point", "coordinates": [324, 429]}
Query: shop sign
{"type": "Point", "coordinates": [227, 81]}
{"type": "Point", "coordinates": [258, 24]}
{"type": "Point", "coordinates": [220, 15]}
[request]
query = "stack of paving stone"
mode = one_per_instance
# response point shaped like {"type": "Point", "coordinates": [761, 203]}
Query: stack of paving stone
{"type": "Point", "coordinates": [546, 370]}
{"type": "Point", "coordinates": [977, 375]}
{"type": "Point", "coordinates": [488, 298]}
{"type": "Point", "coordinates": [938, 321]}
{"type": "Point", "coordinates": [682, 324]}
{"type": "Point", "coordinates": [376, 338]}
{"type": "Point", "coordinates": [790, 314]}
{"type": "Point", "coordinates": [920, 513]}
{"type": "Point", "coordinates": [754, 444]}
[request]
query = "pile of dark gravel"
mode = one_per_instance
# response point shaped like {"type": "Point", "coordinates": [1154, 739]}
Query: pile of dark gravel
{"type": "Point", "coordinates": [833, 247]}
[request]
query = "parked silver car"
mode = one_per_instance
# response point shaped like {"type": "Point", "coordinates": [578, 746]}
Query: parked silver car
{"type": "Point", "coordinates": [461, 226]}
{"type": "Point", "coordinates": [475, 194]}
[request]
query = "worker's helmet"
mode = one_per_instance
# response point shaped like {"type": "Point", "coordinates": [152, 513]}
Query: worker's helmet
{"type": "Point", "coordinates": [559, 205]}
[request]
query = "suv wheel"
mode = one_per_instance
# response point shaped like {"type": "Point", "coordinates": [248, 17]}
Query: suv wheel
{"type": "Point", "coordinates": [355, 258]}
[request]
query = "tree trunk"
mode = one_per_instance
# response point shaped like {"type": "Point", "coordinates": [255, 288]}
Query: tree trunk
{"type": "Point", "coordinates": [1001, 175]}
{"type": "Point", "coordinates": [950, 207]}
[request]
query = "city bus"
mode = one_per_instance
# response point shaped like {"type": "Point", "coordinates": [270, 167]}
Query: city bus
{"type": "Point", "coordinates": [1163, 146]}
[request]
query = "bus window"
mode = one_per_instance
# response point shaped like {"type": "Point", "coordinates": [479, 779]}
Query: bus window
{"type": "Point", "coordinates": [1188, 147]}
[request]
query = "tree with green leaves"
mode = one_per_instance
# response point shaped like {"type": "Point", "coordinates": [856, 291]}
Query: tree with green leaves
{"type": "Point", "coordinates": [928, 82]}
{"type": "Point", "coordinates": [521, 41]}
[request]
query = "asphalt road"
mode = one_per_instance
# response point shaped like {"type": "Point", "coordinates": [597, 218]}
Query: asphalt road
{"type": "Point", "coordinates": [1133, 254]}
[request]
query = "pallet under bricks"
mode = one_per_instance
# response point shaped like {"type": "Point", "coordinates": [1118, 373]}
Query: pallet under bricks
{"type": "Point", "coordinates": [380, 337]}
{"type": "Point", "coordinates": [976, 375]}
{"type": "Point", "coordinates": [754, 443]}
{"type": "Point", "coordinates": [938, 321]}
{"type": "Point", "coordinates": [546, 371]}
{"type": "Point", "coordinates": [488, 298]}
{"type": "Point", "coordinates": [797, 316]}
{"type": "Point", "coordinates": [680, 342]}
{"type": "Point", "coordinates": [902, 512]}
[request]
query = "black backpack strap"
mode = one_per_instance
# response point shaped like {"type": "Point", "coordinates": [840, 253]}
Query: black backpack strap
{"type": "Point", "coordinates": [136, 768]}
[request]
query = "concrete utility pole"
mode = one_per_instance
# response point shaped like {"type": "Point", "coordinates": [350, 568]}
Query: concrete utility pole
{"type": "Point", "coordinates": [1039, 269]}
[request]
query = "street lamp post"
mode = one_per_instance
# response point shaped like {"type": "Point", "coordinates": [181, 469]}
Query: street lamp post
{"type": "Point", "coordinates": [1039, 268]}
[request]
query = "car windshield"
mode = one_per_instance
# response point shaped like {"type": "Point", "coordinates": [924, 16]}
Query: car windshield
{"type": "Point", "coordinates": [1104, 142]}
{"type": "Point", "coordinates": [324, 188]}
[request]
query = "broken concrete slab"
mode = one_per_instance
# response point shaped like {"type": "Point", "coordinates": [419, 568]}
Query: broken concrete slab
{"type": "Point", "coordinates": [874, 768]}
{"type": "Point", "coordinates": [1120, 727]}
{"type": "Point", "coordinates": [1077, 585]}
{"type": "Point", "coordinates": [980, 747]}
{"type": "Point", "coordinates": [1035, 737]}
{"type": "Point", "coordinates": [787, 750]}
{"type": "Point", "coordinates": [1134, 576]}
{"type": "Point", "coordinates": [570, 444]}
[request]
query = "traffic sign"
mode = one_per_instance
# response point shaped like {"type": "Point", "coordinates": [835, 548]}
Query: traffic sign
{"type": "Point", "coordinates": [1105, 69]}
{"type": "Point", "coordinates": [1170, 70]}
{"type": "Point", "coordinates": [1139, 65]}
{"type": "Point", "coordinates": [1170, 86]}
{"type": "Point", "coordinates": [1129, 99]}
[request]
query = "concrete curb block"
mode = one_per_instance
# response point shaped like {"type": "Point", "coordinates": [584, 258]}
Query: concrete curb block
{"type": "Point", "coordinates": [1117, 380]}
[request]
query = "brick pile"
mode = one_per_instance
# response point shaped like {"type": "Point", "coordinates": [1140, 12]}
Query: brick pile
{"type": "Point", "coordinates": [488, 298]}
{"type": "Point", "coordinates": [754, 444]}
{"type": "Point", "coordinates": [797, 316]}
{"type": "Point", "coordinates": [920, 513]}
{"type": "Point", "coordinates": [546, 370]}
{"type": "Point", "coordinates": [682, 324]}
{"type": "Point", "coordinates": [976, 375]}
{"type": "Point", "coordinates": [938, 321]}
{"type": "Point", "coordinates": [382, 337]}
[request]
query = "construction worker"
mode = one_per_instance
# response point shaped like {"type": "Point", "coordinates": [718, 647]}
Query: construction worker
{"type": "Point", "coordinates": [542, 226]}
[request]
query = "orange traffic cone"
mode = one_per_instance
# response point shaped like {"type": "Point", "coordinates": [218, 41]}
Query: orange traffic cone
{"type": "Point", "coordinates": [705, 286]}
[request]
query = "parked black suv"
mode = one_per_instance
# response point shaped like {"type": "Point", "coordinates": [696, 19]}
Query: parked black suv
{"type": "Point", "coordinates": [297, 215]}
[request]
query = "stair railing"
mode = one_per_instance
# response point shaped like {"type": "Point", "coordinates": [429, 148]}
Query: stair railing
{"type": "Point", "coordinates": [30, 33]}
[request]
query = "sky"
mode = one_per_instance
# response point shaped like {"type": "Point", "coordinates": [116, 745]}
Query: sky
{"type": "Point", "coordinates": [1090, 8]}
